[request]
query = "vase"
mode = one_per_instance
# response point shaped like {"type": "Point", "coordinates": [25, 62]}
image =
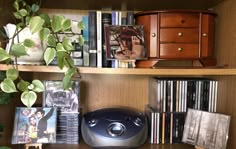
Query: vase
{"type": "Point", "coordinates": [35, 54]}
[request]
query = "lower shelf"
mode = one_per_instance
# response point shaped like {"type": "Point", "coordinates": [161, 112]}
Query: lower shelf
{"type": "Point", "coordinates": [82, 145]}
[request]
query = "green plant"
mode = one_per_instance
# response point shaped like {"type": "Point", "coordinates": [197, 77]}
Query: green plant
{"type": "Point", "coordinates": [27, 14]}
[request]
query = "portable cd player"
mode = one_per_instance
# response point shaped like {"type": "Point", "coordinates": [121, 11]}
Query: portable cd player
{"type": "Point", "coordinates": [114, 127]}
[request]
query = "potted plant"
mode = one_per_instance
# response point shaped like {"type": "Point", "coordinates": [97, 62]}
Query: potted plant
{"type": "Point", "coordinates": [27, 15]}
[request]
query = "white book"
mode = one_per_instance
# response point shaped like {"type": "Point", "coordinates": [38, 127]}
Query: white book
{"type": "Point", "coordinates": [99, 39]}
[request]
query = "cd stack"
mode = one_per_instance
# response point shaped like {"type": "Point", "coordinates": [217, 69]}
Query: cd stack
{"type": "Point", "coordinates": [67, 103]}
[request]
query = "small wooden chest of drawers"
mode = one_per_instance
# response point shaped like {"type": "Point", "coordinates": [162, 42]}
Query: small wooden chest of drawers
{"type": "Point", "coordinates": [179, 34]}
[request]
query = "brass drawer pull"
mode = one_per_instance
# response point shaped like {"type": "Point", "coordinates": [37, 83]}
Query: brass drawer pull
{"type": "Point", "coordinates": [153, 34]}
{"type": "Point", "coordinates": [204, 34]}
{"type": "Point", "coordinates": [180, 34]}
{"type": "Point", "coordinates": [180, 49]}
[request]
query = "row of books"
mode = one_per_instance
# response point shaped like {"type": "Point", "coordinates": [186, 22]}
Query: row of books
{"type": "Point", "coordinates": [179, 94]}
{"type": "Point", "coordinates": [93, 52]}
{"type": "Point", "coordinates": [165, 127]}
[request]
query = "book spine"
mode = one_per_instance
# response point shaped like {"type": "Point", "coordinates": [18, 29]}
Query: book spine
{"type": "Point", "coordinates": [85, 33]}
{"type": "Point", "coordinates": [99, 39]}
{"type": "Point", "coordinates": [92, 39]}
{"type": "Point", "coordinates": [106, 20]}
{"type": "Point", "coordinates": [130, 18]}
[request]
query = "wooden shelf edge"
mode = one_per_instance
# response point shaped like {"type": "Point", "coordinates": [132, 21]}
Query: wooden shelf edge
{"type": "Point", "coordinates": [129, 71]}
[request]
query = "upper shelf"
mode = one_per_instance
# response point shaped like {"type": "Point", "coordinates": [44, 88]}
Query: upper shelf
{"type": "Point", "coordinates": [129, 4]}
{"type": "Point", "coordinates": [129, 71]}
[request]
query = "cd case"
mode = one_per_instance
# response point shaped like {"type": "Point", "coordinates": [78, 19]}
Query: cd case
{"type": "Point", "coordinates": [206, 129]}
{"type": "Point", "coordinates": [125, 42]}
{"type": "Point", "coordinates": [34, 125]}
{"type": "Point", "coordinates": [67, 101]}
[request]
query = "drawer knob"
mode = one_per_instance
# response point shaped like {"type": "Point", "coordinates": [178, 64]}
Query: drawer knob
{"type": "Point", "coordinates": [180, 49]}
{"type": "Point", "coordinates": [153, 34]}
{"type": "Point", "coordinates": [204, 34]}
{"type": "Point", "coordinates": [180, 34]}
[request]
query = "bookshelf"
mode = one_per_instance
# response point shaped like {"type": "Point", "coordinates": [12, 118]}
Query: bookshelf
{"type": "Point", "coordinates": [105, 87]}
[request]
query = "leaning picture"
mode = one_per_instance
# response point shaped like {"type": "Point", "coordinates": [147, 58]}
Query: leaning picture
{"type": "Point", "coordinates": [34, 125]}
{"type": "Point", "coordinates": [125, 42]}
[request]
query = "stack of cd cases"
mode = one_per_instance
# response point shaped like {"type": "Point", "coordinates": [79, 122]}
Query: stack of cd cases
{"type": "Point", "coordinates": [67, 103]}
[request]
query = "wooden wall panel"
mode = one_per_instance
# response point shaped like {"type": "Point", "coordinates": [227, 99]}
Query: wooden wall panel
{"type": "Point", "coordinates": [225, 50]}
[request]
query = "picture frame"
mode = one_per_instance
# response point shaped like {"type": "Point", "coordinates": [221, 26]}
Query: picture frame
{"type": "Point", "coordinates": [125, 42]}
{"type": "Point", "coordinates": [31, 128]}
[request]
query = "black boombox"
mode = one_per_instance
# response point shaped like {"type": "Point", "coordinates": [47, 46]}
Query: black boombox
{"type": "Point", "coordinates": [114, 127]}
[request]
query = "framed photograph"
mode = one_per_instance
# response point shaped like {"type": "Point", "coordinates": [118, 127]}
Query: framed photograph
{"type": "Point", "coordinates": [125, 42]}
{"type": "Point", "coordinates": [34, 125]}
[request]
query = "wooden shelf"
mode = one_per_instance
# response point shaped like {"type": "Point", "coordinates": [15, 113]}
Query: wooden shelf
{"type": "Point", "coordinates": [130, 4]}
{"type": "Point", "coordinates": [82, 145]}
{"type": "Point", "coordinates": [130, 71]}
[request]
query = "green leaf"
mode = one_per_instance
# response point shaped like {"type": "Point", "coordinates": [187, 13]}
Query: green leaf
{"type": "Point", "coordinates": [70, 72]}
{"type": "Point", "coordinates": [12, 74]}
{"type": "Point", "coordinates": [44, 33]}
{"type": "Point", "coordinates": [35, 8]}
{"type": "Point", "coordinates": [68, 62]}
{"type": "Point", "coordinates": [60, 47]}
{"type": "Point", "coordinates": [8, 86]}
{"type": "Point", "coordinates": [18, 50]}
{"type": "Point", "coordinates": [81, 40]}
{"type": "Point", "coordinates": [29, 43]}
{"type": "Point", "coordinates": [49, 55]}
{"type": "Point", "coordinates": [81, 25]}
{"type": "Point", "coordinates": [60, 58]}
{"type": "Point", "coordinates": [66, 25]}
{"type": "Point", "coordinates": [67, 82]}
{"type": "Point", "coordinates": [38, 86]}
{"type": "Point", "coordinates": [23, 12]}
{"type": "Point", "coordinates": [57, 23]}
{"type": "Point", "coordinates": [17, 15]}
{"type": "Point", "coordinates": [16, 5]}
{"type": "Point", "coordinates": [51, 41]}
{"type": "Point", "coordinates": [67, 44]}
{"type": "Point", "coordinates": [23, 85]}
{"type": "Point", "coordinates": [4, 55]}
{"type": "Point", "coordinates": [46, 18]}
{"type": "Point", "coordinates": [28, 98]}
{"type": "Point", "coordinates": [36, 24]}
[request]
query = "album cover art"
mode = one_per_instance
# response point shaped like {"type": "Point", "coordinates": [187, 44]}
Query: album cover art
{"type": "Point", "coordinates": [125, 42]}
{"type": "Point", "coordinates": [206, 129]}
{"type": "Point", "coordinates": [65, 100]}
{"type": "Point", "coordinates": [34, 125]}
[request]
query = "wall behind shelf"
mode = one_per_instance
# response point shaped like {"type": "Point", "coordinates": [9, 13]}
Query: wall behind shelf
{"type": "Point", "coordinates": [225, 51]}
